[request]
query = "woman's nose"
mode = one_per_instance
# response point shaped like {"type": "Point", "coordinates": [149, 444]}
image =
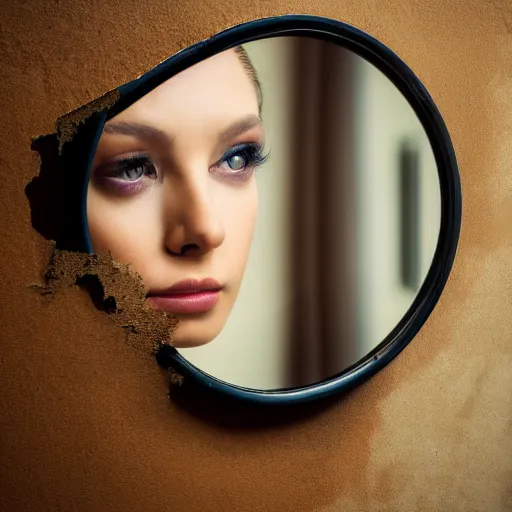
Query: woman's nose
{"type": "Point", "coordinates": [195, 229]}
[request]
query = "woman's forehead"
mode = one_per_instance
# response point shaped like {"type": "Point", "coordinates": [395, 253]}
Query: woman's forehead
{"type": "Point", "coordinates": [217, 83]}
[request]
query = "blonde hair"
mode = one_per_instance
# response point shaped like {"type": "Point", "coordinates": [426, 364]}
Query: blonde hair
{"type": "Point", "coordinates": [251, 72]}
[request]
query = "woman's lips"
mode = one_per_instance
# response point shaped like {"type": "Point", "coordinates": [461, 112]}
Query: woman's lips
{"type": "Point", "coordinates": [189, 297]}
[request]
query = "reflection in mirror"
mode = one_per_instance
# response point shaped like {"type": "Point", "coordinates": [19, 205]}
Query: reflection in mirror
{"type": "Point", "coordinates": [281, 198]}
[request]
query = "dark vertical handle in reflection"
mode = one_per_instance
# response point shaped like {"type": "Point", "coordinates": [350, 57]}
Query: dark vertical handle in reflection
{"type": "Point", "coordinates": [410, 222]}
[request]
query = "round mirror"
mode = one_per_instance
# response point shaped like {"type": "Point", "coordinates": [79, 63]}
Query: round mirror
{"type": "Point", "coordinates": [290, 194]}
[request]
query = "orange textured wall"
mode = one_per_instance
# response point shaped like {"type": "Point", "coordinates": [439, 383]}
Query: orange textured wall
{"type": "Point", "coordinates": [85, 423]}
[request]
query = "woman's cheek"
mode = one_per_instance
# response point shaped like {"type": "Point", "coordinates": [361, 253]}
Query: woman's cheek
{"type": "Point", "coordinates": [243, 220]}
{"type": "Point", "coordinates": [123, 232]}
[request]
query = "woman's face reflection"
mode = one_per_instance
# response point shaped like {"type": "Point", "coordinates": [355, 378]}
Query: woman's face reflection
{"type": "Point", "coordinates": [173, 191]}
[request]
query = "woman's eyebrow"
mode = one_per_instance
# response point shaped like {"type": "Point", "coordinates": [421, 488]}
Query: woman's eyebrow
{"type": "Point", "coordinates": [142, 131]}
{"type": "Point", "coordinates": [240, 127]}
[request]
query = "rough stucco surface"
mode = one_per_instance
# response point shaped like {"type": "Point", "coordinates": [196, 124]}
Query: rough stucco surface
{"type": "Point", "coordinates": [85, 422]}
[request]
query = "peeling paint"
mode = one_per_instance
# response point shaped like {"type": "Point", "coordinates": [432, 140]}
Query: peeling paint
{"type": "Point", "coordinates": [68, 123]}
{"type": "Point", "coordinates": [116, 289]}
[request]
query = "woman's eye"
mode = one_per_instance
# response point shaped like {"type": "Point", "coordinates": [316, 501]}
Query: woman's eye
{"type": "Point", "coordinates": [243, 157]}
{"type": "Point", "coordinates": [133, 169]}
{"type": "Point", "coordinates": [126, 176]}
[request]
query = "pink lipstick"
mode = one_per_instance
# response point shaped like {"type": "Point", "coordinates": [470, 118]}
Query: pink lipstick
{"type": "Point", "coordinates": [189, 297]}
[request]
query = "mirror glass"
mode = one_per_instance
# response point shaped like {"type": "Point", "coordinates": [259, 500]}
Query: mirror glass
{"type": "Point", "coordinates": [282, 198]}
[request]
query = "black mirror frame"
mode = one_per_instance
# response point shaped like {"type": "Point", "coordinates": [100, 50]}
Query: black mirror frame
{"type": "Point", "coordinates": [78, 154]}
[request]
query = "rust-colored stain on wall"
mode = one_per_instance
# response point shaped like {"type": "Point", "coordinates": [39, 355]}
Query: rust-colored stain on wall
{"type": "Point", "coordinates": [85, 421]}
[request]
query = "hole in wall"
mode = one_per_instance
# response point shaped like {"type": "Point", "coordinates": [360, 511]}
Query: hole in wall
{"type": "Point", "coordinates": [114, 288]}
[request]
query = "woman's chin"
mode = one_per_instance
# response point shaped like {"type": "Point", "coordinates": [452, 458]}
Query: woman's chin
{"type": "Point", "coordinates": [189, 342]}
{"type": "Point", "coordinates": [188, 335]}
